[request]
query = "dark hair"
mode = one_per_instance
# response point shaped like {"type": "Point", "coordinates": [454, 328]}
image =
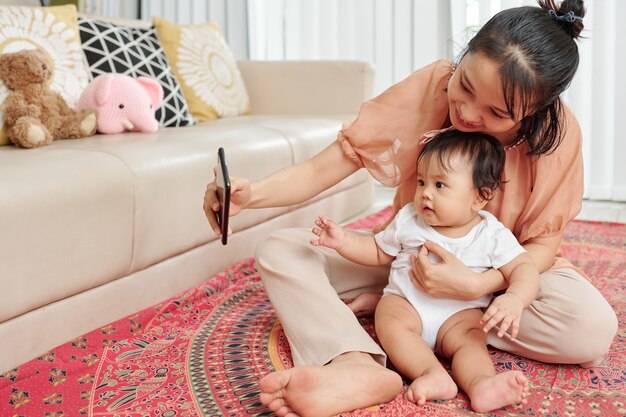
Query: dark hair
{"type": "Point", "coordinates": [484, 152]}
{"type": "Point", "coordinates": [538, 58]}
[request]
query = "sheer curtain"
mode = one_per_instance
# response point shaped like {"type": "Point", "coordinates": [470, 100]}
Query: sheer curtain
{"type": "Point", "coordinates": [597, 95]}
{"type": "Point", "coordinates": [399, 36]}
{"type": "Point", "coordinates": [396, 36]}
{"type": "Point", "coordinates": [230, 15]}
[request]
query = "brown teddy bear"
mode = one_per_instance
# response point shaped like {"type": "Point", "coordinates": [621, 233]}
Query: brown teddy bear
{"type": "Point", "coordinates": [34, 114]}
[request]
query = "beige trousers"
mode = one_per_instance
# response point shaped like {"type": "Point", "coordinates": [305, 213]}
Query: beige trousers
{"type": "Point", "coordinates": [569, 322]}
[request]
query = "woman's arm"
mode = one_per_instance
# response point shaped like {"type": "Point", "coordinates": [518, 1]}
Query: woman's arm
{"type": "Point", "coordinates": [302, 181]}
{"type": "Point", "coordinates": [452, 279]}
{"type": "Point", "coordinates": [285, 187]}
{"type": "Point", "coordinates": [543, 250]}
{"type": "Point", "coordinates": [523, 278]}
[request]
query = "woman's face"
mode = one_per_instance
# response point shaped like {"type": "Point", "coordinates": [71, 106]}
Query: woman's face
{"type": "Point", "coordinates": [476, 99]}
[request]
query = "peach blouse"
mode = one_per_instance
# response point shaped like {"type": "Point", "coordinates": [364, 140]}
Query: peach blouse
{"type": "Point", "coordinates": [541, 194]}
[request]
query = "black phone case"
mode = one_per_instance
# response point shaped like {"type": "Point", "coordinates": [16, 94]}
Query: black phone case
{"type": "Point", "coordinates": [223, 193]}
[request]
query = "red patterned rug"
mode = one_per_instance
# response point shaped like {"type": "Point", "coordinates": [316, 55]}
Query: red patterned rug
{"type": "Point", "coordinates": [202, 353]}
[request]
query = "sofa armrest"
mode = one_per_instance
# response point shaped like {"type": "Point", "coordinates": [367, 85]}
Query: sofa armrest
{"type": "Point", "coordinates": [307, 87]}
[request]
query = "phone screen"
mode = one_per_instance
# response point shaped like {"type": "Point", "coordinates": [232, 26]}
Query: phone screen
{"type": "Point", "coordinates": [223, 193]}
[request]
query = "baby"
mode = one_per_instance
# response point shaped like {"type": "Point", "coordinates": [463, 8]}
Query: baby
{"type": "Point", "coordinates": [457, 174]}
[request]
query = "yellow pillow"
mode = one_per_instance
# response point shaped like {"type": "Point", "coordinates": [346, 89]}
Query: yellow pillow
{"type": "Point", "coordinates": [55, 30]}
{"type": "Point", "coordinates": [206, 69]}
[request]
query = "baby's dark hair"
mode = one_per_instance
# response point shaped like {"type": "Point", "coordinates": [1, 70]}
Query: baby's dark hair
{"type": "Point", "coordinates": [482, 151]}
{"type": "Point", "coordinates": [538, 57]}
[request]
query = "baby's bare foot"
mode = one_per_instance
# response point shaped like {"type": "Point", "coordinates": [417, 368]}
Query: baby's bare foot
{"type": "Point", "coordinates": [434, 384]}
{"type": "Point", "coordinates": [364, 304]}
{"type": "Point", "coordinates": [494, 392]}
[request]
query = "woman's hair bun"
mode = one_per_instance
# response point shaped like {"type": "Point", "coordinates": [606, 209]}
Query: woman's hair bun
{"type": "Point", "coordinates": [568, 14]}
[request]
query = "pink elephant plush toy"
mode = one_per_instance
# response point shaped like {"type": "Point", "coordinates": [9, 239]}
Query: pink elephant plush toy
{"type": "Point", "coordinates": [123, 103]}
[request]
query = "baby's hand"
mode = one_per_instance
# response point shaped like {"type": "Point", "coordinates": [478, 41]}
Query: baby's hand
{"type": "Point", "coordinates": [329, 233]}
{"type": "Point", "coordinates": [505, 309]}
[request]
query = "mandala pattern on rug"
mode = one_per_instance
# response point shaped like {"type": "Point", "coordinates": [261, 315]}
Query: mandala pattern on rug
{"type": "Point", "coordinates": [203, 352]}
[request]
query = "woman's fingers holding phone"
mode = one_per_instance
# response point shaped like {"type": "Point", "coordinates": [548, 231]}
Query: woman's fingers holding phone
{"type": "Point", "coordinates": [240, 194]}
{"type": "Point", "coordinates": [211, 206]}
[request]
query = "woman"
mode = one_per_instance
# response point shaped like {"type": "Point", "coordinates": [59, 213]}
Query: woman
{"type": "Point", "coordinates": [506, 84]}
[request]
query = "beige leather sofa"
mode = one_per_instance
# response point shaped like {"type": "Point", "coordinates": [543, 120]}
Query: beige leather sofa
{"type": "Point", "coordinates": [92, 230]}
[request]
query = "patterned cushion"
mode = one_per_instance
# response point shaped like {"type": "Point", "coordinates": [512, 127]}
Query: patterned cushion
{"type": "Point", "coordinates": [135, 52]}
{"type": "Point", "coordinates": [55, 30]}
{"type": "Point", "coordinates": [206, 69]}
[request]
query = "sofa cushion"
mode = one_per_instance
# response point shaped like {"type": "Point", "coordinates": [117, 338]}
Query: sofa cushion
{"type": "Point", "coordinates": [205, 68]}
{"type": "Point", "coordinates": [53, 29]}
{"type": "Point", "coordinates": [171, 168]}
{"type": "Point", "coordinates": [132, 199]}
{"type": "Point", "coordinates": [110, 48]}
{"type": "Point", "coordinates": [67, 224]}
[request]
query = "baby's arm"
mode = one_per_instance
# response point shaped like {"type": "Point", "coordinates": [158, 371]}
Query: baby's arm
{"type": "Point", "coordinates": [357, 248]}
{"type": "Point", "coordinates": [506, 309]}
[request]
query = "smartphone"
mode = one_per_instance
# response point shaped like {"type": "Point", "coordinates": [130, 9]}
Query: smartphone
{"type": "Point", "coordinates": [223, 193]}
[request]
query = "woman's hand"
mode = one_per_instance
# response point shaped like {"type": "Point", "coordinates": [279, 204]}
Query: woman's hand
{"type": "Point", "coordinates": [240, 195]}
{"type": "Point", "coordinates": [448, 279]}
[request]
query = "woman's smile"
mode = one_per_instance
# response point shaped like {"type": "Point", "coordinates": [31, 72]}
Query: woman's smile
{"type": "Point", "coordinates": [464, 123]}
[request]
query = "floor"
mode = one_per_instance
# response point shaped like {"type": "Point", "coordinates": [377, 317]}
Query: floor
{"type": "Point", "coordinates": [592, 210]}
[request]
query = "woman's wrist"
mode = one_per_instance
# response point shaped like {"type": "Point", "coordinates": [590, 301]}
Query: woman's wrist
{"type": "Point", "coordinates": [477, 289]}
{"type": "Point", "coordinates": [253, 198]}
{"type": "Point", "coordinates": [471, 287]}
{"type": "Point", "coordinates": [488, 282]}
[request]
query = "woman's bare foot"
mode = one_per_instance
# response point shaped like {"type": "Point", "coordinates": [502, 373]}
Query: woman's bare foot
{"type": "Point", "coordinates": [491, 393]}
{"type": "Point", "coordinates": [352, 380]}
{"type": "Point", "coordinates": [434, 384]}
{"type": "Point", "coordinates": [364, 304]}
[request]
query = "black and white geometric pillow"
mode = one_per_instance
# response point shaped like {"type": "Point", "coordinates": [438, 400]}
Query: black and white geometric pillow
{"type": "Point", "coordinates": [110, 48]}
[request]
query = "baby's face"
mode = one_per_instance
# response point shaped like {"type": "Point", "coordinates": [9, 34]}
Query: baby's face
{"type": "Point", "coordinates": [446, 197]}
